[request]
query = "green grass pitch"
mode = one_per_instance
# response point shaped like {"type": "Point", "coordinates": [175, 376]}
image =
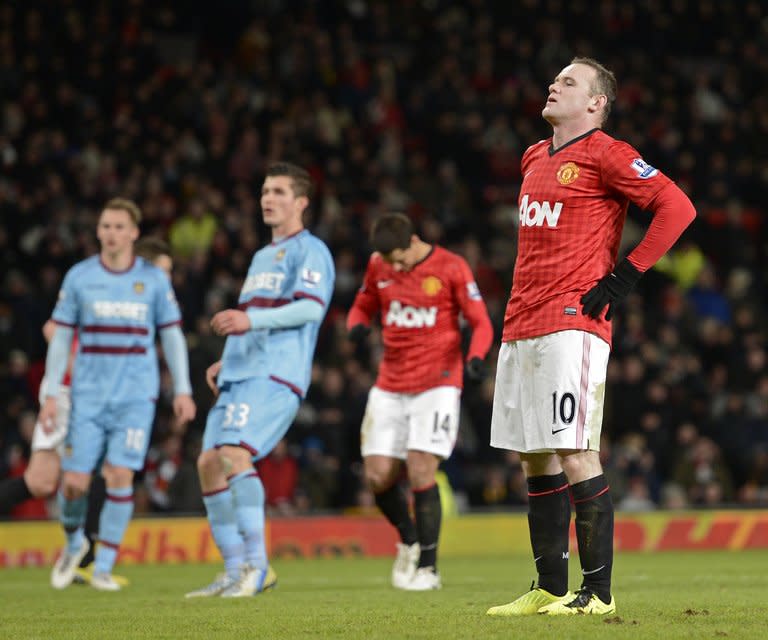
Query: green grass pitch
{"type": "Point", "coordinates": [665, 595]}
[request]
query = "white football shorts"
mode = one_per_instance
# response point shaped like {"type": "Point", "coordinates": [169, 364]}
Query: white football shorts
{"type": "Point", "coordinates": [396, 423]}
{"type": "Point", "coordinates": [53, 441]}
{"type": "Point", "coordinates": [549, 393]}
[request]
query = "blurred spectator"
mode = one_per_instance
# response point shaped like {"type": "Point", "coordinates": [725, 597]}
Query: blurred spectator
{"type": "Point", "coordinates": [192, 234]}
{"type": "Point", "coordinates": [383, 123]}
{"type": "Point", "coordinates": [703, 475]}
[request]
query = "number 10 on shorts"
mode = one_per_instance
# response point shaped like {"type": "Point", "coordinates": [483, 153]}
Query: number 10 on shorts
{"type": "Point", "coordinates": [563, 409]}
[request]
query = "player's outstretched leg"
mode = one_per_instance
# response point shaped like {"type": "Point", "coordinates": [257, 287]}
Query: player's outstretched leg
{"type": "Point", "coordinates": [13, 491]}
{"type": "Point", "coordinates": [428, 511]}
{"type": "Point", "coordinates": [72, 517]}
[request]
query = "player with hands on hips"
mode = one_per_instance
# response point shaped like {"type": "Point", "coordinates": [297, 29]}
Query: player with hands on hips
{"type": "Point", "coordinates": [551, 370]}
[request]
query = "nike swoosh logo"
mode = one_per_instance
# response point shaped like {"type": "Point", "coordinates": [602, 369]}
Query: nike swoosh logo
{"type": "Point", "coordinates": [383, 283]}
{"type": "Point", "coordinates": [556, 431]}
{"type": "Point", "coordinates": [537, 558]}
{"type": "Point", "coordinates": [527, 173]}
{"type": "Point", "coordinates": [589, 573]}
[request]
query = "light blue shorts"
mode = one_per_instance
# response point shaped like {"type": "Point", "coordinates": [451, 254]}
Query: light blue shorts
{"type": "Point", "coordinates": [253, 414]}
{"type": "Point", "coordinates": [119, 434]}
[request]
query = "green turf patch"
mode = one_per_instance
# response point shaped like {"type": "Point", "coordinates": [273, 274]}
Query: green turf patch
{"type": "Point", "coordinates": [664, 595]}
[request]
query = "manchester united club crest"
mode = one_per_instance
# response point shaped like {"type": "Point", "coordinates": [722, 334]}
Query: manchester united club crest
{"type": "Point", "coordinates": [280, 255]}
{"type": "Point", "coordinates": [431, 285]}
{"type": "Point", "coordinates": [138, 287]}
{"type": "Point", "coordinates": [568, 173]}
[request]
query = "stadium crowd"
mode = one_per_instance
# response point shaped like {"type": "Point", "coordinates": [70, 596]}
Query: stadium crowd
{"type": "Point", "coordinates": [423, 107]}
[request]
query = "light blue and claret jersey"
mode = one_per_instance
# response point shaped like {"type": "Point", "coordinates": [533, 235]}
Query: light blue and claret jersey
{"type": "Point", "coordinates": [294, 268]}
{"type": "Point", "coordinates": [116, 314]}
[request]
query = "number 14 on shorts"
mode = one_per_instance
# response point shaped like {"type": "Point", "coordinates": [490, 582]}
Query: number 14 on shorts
{"type": "Point", "coordinates": [441, 427]}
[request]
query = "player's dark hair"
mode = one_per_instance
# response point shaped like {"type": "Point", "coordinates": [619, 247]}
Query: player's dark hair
{"type": "Point", "coordinates": [129, 206]}
{"type": "Point", "coordinates": [391, 231]}
{"type": "Point", "coordinates": [151, 247]}
{"type": "Point", "coordinates": [605, 82]}
{"type": "Point", "coordinates": [300, 179]}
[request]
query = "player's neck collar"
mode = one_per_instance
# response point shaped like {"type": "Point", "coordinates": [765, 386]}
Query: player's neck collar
{"type": "Point", "coordinates": [553, 151]}
{"type": "Point", "coordinates": [106, 267]}
{"type": "Point", "coordinates": [279, 239]}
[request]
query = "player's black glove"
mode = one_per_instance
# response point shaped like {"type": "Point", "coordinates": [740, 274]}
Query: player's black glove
{"type": "Point", "coordinates": [610, 289]}
{"type": "Point", "coordinates": [358, 333]}
{"type": "Point", "coordinates": [476, 369]}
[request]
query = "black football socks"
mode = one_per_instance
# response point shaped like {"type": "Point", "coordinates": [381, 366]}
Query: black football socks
{"type": "Point", "coordinates": [594, 532]}
{"type": "Point", "coordinates": [549, 518]}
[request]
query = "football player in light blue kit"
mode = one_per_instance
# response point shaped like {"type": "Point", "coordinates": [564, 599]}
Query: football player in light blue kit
{"type": "Point", "coordinates": [261, 378]}
{"type": "Point", "coordinates": [116, 302]}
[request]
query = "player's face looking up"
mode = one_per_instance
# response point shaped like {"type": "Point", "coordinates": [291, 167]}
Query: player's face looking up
{"type": "Point", "coordinates": [571, 95]}
{"type": "Point", "coordinates": [116, 232]}
{"type": "Point", "coordinates": [280, 207]}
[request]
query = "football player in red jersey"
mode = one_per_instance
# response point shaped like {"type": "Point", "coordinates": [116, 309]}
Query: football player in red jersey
{"type": "Point", "coordinates": [412, 416]}
{"type": "Point", "coordinates": [550, 379]}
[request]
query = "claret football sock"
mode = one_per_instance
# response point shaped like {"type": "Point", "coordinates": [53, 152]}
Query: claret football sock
{"type": "Point", "coordinates": [248, 493]}
{"type": "Point", "coordinates": [549, 517]}
{"type": "Point", "coordinates": [426, 506]}
{"type": "Point", "coordinates": [394, 506]}
{"type": "Point", "coordinates": [594, 532]}
{"type": "Point", "coordinates": [220, 507]}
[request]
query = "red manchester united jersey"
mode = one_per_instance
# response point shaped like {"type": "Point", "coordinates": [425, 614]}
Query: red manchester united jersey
{"type": "Point", "coordinates": [420, 312]}
{"type": "Point", "coordinates": [573, 203]}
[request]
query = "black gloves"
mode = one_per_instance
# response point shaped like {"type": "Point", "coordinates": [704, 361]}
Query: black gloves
{"type": "Point", "coordinates": [358, 333]}
{"type": "Point", "coordinates": [609, 289]}
{"type": "Point", "coordinates": [476, 369]}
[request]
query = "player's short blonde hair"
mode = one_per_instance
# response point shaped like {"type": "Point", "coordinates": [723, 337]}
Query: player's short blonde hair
{"type": "Point", "coordinates": [129, 206]}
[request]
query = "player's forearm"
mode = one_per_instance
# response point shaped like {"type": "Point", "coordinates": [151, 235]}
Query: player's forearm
{"type": "Point", "coordinates": [57, 358]}
{"type": "Point", "coordinates": [175, 350]}
{"type": "Point", "coordinates": [672, 213]}
{"type": "Point", "coordinates": [294, 314]}
{"type": "Point", "coordinates": [357, 316]}
{"type": "Point", "coordinates": [482, 334]}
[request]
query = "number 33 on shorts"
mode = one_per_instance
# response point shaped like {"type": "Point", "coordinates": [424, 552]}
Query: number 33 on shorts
{"type": "Point", "coordinates": [236, 415]}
